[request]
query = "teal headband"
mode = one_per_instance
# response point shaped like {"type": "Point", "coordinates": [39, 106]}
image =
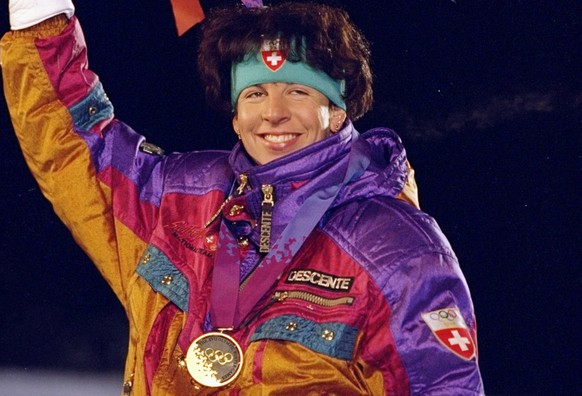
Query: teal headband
{"type": "Point", "coordinates": [272, 66]}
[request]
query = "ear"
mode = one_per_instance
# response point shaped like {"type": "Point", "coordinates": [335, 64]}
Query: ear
{"type": "Point", "coordinates": [337, 116]}
{"type": "Point", "coordinates": [235, 125]}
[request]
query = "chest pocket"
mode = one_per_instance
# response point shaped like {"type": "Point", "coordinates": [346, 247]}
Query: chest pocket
{"type": "Point", "coordinates": [156, 269]}
{"type": "Point", "coordinates": [319, 323]}
{"type": "Point", "coordinates": [333, 339]}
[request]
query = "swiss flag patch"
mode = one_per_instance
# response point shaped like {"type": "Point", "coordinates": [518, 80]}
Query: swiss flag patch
{"type": "Point", "coordinates": [449, 327]}
{"type": "Point", "coordinates": [274, 59]}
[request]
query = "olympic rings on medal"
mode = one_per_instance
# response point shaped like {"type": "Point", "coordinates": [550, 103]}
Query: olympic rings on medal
{"type": "Point", "coordinates": [218, 356]}
{"type": "Point", "coordinates": [443, 315]}
{"type": "Point", "coordinates": [214, 360]}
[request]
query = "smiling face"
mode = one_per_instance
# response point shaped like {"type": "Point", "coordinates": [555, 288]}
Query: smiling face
{"type": "Point", "coordinates": [276, 119]}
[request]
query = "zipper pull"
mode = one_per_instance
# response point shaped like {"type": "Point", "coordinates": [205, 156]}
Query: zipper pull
{"type": "Point", "coordinates": [280, 296]}
{"type": "Point", "coordinates": [243, 182]}
{"type": "Point", "coordinates": [266, 217]}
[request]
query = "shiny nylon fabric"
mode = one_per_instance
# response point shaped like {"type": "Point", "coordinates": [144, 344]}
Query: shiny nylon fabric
{"type": "Point", "coordinates": [116, 200]}
{"type": "Point", "coordinates": [62, 163]}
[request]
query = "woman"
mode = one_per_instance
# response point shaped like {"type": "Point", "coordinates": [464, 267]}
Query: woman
{"type": "Point", "coordinates": [296, 262]}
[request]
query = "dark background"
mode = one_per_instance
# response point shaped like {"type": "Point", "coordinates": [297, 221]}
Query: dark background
{"type": "Point", "coordinates": [487, 96]}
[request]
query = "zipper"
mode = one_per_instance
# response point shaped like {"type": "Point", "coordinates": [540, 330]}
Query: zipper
{"type": "Point", "coordinates": [283, 295]}
{"type": "Point", "coordinates": [267, 205]}
{"type": "Point", "coordinates": [312, 298]}
{"type": "Point", "coordinates": [266, 218]}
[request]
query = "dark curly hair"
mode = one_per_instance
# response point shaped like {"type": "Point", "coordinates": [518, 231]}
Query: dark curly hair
{"type": "Point", "coordinates": [334, 45]}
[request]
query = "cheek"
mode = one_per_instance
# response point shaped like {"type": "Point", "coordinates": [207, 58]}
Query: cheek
{"type": "Point", "coordinates": [244, 121]}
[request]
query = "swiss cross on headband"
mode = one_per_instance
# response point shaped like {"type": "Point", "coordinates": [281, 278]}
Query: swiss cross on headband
{"type": "Point", "coordinates": [273, 57]}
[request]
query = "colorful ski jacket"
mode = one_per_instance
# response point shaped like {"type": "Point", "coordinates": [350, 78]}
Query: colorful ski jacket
{"type": "Point", "coordinates": [373, 301]}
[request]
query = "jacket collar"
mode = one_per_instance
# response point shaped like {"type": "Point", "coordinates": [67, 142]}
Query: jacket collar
{"type": "Point", "coordinates": [293, 177]}
{"type": "Point", "coordinates": [321, 165]}
{"type": "Point", "coordinates": [300, 165]}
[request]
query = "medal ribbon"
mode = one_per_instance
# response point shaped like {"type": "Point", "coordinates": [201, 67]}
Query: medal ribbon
{"type": "Point", "coordinates": [229, 305]}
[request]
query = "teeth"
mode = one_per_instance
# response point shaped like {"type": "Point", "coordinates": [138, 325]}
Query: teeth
{"type": "Point", "coordinates": [279, 138]}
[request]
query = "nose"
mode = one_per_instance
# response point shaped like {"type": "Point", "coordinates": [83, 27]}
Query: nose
{"type": "Point", "coordinates": [276, 109]}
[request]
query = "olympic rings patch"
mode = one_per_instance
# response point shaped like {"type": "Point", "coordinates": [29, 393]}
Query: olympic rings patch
{"type": "Point", "coordinates": [444, 315]}
{"type": "Point", "coordinates": [450, 329]}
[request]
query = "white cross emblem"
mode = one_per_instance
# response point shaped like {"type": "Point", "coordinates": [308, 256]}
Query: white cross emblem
{"type": "Point", "coordinates": [457, 339]}
{"type": "Point", "coordinates": [274, 58]}
{"type": "Point", "coordinates": [451, 330]}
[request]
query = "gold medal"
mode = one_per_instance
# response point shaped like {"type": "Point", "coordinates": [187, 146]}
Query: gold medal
{"type": "Point", "coordinates": [214, 359]}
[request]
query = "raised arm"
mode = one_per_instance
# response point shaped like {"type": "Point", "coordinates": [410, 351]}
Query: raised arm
{"type": "Point", "coordinates": [96, 171]}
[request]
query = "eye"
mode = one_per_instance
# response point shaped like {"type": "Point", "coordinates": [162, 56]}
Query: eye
{"type": "Point", "coordinates": [253, 94]}
{"type": "Point", "coordinates": [298, 91]}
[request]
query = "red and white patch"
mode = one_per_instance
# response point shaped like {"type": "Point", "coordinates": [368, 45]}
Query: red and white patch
{"type": "Point", "coordinates": [449, 327]}
{"type": "Point", "coordinates": [274, 59]}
